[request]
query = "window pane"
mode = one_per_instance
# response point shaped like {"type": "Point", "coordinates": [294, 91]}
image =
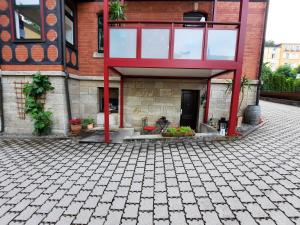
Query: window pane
{"type": "Point", "coordinates": [67, 8]}
{"type": "Point", "coordinates": [69, 30]}
{"type": "Point", "coordinates": [100, 33]}
{"type": "Point", "coordinates": [188, 44]}
{"type": "Point", "coordinates": [122, 43]}
{"type": "Point", "coordinates": [155, 43]}
{"type": "Point", "coordinates": [28, 19]}
{"type": "Point", "coordinates": [221, 44]}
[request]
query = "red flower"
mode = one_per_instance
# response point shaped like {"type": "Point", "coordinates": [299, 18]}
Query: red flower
{"type": "Point", "coordinates": [75, 121]}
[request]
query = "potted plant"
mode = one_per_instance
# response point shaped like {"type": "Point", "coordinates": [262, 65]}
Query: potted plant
{"type": "Point", "coordinates": [245, 86]}
{"type": "Point", "coordinates": [75, 125]}
{"type": "Point", "coordinates": [88, 123]}
{"type": "Point", "coordinates": [116, 10]}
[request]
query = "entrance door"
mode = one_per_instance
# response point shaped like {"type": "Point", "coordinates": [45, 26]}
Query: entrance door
{"type": "Point", "coordinates": [189, 108]}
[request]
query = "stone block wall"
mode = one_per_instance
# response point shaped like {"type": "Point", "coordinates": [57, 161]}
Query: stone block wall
{"type": "Point", "coordinates": [153, 98]}
{"type": "Point", "coordinates": [220, 101]}
{"type": "Point", "coordinates": [55, 102]}
{"type": "Point", "coordinates": [84, 99]}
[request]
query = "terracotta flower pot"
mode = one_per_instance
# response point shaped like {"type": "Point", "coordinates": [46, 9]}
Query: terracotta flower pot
{"type": "Point", "coordinates": [90, 126]}
{"type": "Point", "coordinates": [75, 129]}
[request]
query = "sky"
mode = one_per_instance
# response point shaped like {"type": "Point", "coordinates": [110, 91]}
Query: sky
{"type": "Point", "coordinates": [284, 21]}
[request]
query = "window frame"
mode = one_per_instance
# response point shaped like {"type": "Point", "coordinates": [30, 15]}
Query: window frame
{"type": "Point", "coordinates": [13, 25]}
{"type": "Point", "coordinates": [99, 50]}
{"type": "Point", "coordinates": [101, 100]}
{"type": "Point", "coordinates": [74, 21]}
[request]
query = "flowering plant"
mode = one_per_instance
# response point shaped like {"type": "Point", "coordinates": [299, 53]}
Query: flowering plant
{"type": "Point", "coordinates": [75, 121]}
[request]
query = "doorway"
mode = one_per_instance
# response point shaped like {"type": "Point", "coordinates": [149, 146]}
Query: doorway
{"type": "Point", "coordinates": [189, 108]}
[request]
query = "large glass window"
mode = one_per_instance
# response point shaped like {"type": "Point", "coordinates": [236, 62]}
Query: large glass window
{"type": "Point", "coordinates": [155, 43]}
{"type": "Point", "coordinates": [188, 44]}
{"type": "Point", "coordinates": [221, 44]}
{"type": "Point", "coordinates": [100, 34]}
{"type": "Point", "coordinates": [28, 23]}
{"type": "Point", "coordinates": [69, 25]}
{"type": "Point", "coordinates": [122, 43]}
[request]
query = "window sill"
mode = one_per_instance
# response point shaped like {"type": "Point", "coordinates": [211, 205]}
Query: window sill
{"type": "Point", "coordinates": [98, 55]}
{"type": "Point", "coordinates": [28, 41]}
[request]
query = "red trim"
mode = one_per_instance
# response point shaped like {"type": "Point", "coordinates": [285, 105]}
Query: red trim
{"type": "Point", "coordinates": [236, 83]}
{"type": "Point", "coordinates": [175, 63]}
{"type": "Point", "coordinates": [122, 103]}
{"type": "Point", "coordinates": [160, 62]}
{"type": "Point", "coordinates": [139, 43]}
{"type": "Point", "coordinates": [172, 42]}
{"type": "Point", "coordinates": [171, 21]}
{"type": "Point", "coordinates": [106, 71]}
{"type": "Point", "coordinates": [206, 112]}
{"type": "Point", "coordinates": [164, 77]}
{"type": "Point", "coordinates": [205, 42]}
{"type": "Point", "coordinates": [116, 71]}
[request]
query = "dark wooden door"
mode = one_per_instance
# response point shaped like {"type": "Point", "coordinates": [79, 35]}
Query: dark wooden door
{"type": "Point", "coordinates": [189, 108]}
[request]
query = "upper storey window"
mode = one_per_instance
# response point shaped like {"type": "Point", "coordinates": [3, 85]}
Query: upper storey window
{"type": "Point", "coordinates": [69, 25]}
{"type": "Point", "coordinates": [194, 17]}
{"type": "Point", "coordinates": [28, 20]}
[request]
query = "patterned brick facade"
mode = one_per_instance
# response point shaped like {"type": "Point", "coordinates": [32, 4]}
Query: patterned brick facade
{"type": "Point", "coordinates": [46, 52]}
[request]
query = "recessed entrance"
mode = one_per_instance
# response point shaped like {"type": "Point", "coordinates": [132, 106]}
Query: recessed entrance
{"type": "Point", "coordinates": [189, 108]}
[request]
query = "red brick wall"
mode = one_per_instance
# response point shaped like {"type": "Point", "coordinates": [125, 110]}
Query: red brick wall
{"type": "Point", "coordinates": [161, 10]}
{"type": "Point", "coordinates": [88, 38]}
{"type": "Point", "coordinates": [228, 11]}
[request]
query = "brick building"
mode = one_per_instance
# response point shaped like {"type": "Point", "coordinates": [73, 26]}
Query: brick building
{"type": "Point", "coordinates": [161, 59]}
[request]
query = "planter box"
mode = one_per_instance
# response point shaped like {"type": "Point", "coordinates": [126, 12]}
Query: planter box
{"type": "Point", "coordinates": [189, 134]}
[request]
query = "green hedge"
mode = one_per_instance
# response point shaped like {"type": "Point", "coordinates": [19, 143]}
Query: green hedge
{"type": "Point", "coordinates": [278, 81]}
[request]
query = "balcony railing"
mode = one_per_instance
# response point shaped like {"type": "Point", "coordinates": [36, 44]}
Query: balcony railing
{"type": "Point", "coordinates": [167, 40]}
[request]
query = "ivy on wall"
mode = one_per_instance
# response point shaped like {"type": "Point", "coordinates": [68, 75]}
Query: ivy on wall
{"type": "Point", "coordinates": [35, 93]}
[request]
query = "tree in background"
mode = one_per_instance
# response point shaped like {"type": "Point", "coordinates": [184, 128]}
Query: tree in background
{"type": "Point", "coordinates": [270, 44]}
{"type": "Point", "coordinates": [282, 80]}
{"type": "Point", "coordinates": [286, 70]}
{"type": "Point", "coordinates": [297, 70]}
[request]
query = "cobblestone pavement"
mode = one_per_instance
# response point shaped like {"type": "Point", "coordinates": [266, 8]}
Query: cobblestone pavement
{"type": "Point", "coordinates": [251, 181]}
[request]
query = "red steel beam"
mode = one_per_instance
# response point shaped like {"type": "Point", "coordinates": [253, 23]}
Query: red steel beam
{"type": "Point", "coordinates": [122, 103]}
{"type": "Point", "coordinates": [174, 63]}
{"type": "Point", "coordinates": [106, 70]}
{"type": "Point", "coordinates": [172, 22]}
{"type": "Point", "coordinates": [236, 83]}
{"type": "Point", "coordinates": [206, 112]}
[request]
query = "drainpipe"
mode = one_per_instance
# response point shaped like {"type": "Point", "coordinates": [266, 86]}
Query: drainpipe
{"type": "Point", "coordinates": [66, 81]}
{"type": "Point", "coordinates": [262, 52]}
{"type": "Point", "coordinates": [1, 104]}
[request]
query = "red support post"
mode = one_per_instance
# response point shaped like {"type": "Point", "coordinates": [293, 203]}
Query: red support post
{"type": "Point", "coordinates": [236, 83]}
{"type": "Point", "coordinates": [122, 103]}
{"type": "Point", "coordinates": [106, 71]}
{"type": "Point", "coordinates": [206, 112]}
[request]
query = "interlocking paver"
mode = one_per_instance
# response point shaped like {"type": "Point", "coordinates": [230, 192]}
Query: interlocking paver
{"type": "Point", "coordinates": [255, 180]}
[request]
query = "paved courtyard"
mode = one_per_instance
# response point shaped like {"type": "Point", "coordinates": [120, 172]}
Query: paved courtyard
{"type": "Point", "coordinates": [251, 181]}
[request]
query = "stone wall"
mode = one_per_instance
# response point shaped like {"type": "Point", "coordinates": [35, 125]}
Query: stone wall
{"type": "Point", "coordinates": [85, 102]}
{"type": "Point", "coordinates": [220, 100]}
{"type": "Point", "coordinates": [55, 102]}
{"type": "Point", "coordinates": [153, 98]}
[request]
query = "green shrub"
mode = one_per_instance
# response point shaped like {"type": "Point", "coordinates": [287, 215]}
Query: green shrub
{"type": "Point", "coordinates": [33, 107]}
{"type": "Point", "coordinates": [87, 121]}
